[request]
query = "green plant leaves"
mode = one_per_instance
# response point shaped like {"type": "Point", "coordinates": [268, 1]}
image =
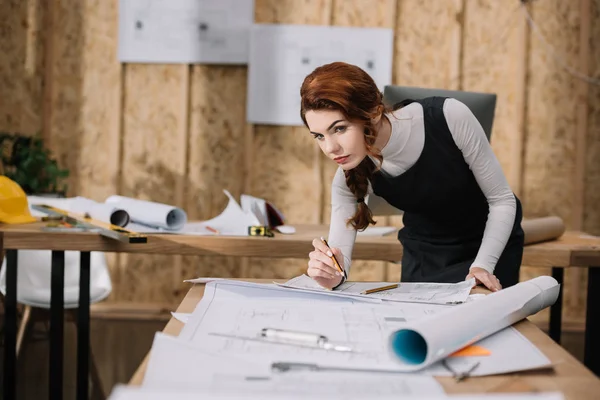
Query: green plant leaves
{"type": "Point", "coordinates": [27, 162]}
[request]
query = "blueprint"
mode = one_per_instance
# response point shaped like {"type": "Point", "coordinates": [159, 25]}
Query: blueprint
{"type": "Point", "coordinates": [185, 31]}
{"type": "Point", "coordinates": [282, 55]}
{"type": "Point", "coordinates": [229, 323]}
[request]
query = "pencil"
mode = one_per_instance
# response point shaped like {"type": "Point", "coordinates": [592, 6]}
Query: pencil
{"type": "Point", "coordinates": [335, 261]}
{"type": "Point", "coordinates": [213, 230]}
{"type": "Point", "coordinates": [380, 289]}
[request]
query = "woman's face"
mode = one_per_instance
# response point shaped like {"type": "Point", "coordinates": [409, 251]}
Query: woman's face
{"type": "Point", "coordinates": [339, 139]}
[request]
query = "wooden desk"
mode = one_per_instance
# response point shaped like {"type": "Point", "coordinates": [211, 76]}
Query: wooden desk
{"type": "Point", "coordinates": [569, 376]}
{"type": "Point", "coordinates": [569, 251]}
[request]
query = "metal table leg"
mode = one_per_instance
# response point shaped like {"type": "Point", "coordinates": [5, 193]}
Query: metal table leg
{"type": "Point", "coordinates": [591, 357]}
{"type": "Point", "coordinates": [83, 326]}
{"type": "Point", "coordinates": [9, 383]}
{"type": "Point", "coordinates": [555, 325]}
{"type": "Point", "coordinates": [57, 293]}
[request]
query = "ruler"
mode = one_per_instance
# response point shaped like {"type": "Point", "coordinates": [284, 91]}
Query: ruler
{"type": "Point", "coordinates": [87, 223]}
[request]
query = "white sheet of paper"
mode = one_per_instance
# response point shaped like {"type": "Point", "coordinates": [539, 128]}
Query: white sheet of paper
{"type": "Point", "coordinates": [218, 289]}
{"type": "Point", "coordinates": [148, 216]}
{"type": "Point", "coordinates": [185, 31]}
{"type": "Point", "coordinates": [424, 342]}
{"type": "Point", "coordinates": [282, 55]}
{"type": "Point", "coordinates": [181, 317]}
{"type": "Point", "coordinates": [366, 326]}
{"type": "Point", "coordinates": [255, 291]}
{"type": "Point", "coordinates": [126, 392]}
{"type": "Point", "coordinates": [174, 363]}
{"type": "Point", "coordinates": [233, 221]}
{"type": "Point", "coordinates": [256, 206]}
{"type": "Point", "coordinates": [433, 293]}
{"type": "Point", "coordinates": [179, 363]}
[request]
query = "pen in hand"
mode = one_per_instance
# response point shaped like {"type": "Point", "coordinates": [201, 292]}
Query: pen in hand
{"type": "Point", "coordinates": [335, 261]}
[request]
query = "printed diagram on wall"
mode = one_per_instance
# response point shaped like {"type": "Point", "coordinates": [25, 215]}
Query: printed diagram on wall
{"type": "Point", "coordinates": [282, 55]}
{"type": "Point", "coordinates": [185, 31]}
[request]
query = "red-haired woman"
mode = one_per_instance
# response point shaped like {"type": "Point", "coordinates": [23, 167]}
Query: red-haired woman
{"type": "Point", "coordinates": [429, 158]}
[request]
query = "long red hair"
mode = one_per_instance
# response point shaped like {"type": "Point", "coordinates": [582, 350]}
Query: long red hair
{"type": "Point", "coordinates": [350, 90]}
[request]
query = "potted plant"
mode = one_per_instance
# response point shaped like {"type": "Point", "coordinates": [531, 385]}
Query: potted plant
{"type": "Point", "coordinates": [26, 161]}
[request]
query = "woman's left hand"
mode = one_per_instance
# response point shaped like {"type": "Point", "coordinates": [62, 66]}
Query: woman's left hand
{"type": "Point", "coordinates": [483, 277]}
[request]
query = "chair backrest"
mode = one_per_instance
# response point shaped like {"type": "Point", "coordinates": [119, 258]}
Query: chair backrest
{"type": "Point", "coordinates": [483, 106]}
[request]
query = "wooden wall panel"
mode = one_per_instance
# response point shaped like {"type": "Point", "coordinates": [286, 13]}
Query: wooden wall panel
{"type": "Point", "coordinates": [426, 54]}
{"type": "Point", "coordinates": [22, 26]}
{"type": "Point", "coordinates": [64, 84]}
{"type": "Point", "coordinates": [100, 104]}
{"type": "Point", "coordinates": [154, 154]}
{"type": "Point", "coordinates": [366, 14]}
{"type": "Point", "coordinates": [217, 155]}
{"type": "Point", "coordinates": [81, 98]}
{"type": "Point", "coordinates": [551, 116]}
{"type": "Point", "coordinates": [286, 168]}
{"type": "Point", "coordinates": [591, 221]}
{"type": "Point", "coordinates": [550, 155]}
{"type": "Point", "coordinates": [491, 64]}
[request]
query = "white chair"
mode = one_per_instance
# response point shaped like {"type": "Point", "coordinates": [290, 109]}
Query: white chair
{"type": "Point", "coordinates": [33, 283]}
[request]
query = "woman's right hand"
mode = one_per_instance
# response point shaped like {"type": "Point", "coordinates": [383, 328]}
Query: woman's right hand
{"type": "Point", "coordinates": [321, 266]}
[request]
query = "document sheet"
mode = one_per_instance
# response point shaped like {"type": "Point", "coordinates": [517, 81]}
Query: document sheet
{"type": "Point", "coordinates": [282, 55]}
{"type": "Point", "coordinates": [191, 367]}
{"type": "Point", "coordinates": [434, 293]}
{"type": "Point", "coordinates": [185, 31]}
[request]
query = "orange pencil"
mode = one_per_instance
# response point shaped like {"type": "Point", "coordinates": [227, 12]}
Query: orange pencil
{"type": "Point", "coordinates": [335, 261]}
{"type": "Point", "coordinates": [213, 230]}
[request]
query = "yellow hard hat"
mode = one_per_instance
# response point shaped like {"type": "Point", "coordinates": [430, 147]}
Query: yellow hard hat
{"type": "Point", "coordinates": [14, 208]}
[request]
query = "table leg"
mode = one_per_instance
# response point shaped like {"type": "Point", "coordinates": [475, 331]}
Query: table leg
{"type": "Point", "coordinates": [556, 309]}
{"type": "Point", "coordinates": [9, 384]}
{"type": "Point", "coordinates": [57, 294]}
{"type": "Point", "coordinates": [83, 326]}
{"type": "Point", "coordinates": [591, 357]}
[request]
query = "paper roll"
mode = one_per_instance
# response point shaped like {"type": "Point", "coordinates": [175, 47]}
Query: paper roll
{"type": "Point", "coordinates": [149, 213]}
{"type": "Point", "coordinates": [107, 213]}
{"type": "Point", "coordinates": [542, 229]}
{"type": "Point", "coordinates": [434, 338]}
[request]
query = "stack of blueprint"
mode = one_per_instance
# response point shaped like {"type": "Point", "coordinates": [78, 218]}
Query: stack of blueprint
{"type": "Point", "coordinates": [250, 340]}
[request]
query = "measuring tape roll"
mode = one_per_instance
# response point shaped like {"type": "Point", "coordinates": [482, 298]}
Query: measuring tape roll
{"type": "Point", "coordinates": [260, 230]}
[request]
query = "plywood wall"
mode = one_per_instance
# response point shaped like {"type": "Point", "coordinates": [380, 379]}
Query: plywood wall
{"type": "Point", "coordinates": [178, 134]}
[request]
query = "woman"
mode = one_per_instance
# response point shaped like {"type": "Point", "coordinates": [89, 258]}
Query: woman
{"type": "Point", "coordinates": [429, 158]}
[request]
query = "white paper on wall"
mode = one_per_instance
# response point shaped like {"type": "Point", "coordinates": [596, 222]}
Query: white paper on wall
{"type": "Point", "coordinates": [185, 31]}
{"type": "Point", "coordinates": [282, 55]}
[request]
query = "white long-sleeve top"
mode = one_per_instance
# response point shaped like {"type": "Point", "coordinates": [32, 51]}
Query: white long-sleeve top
{"type": "Point", "coordinates": [404, 149]}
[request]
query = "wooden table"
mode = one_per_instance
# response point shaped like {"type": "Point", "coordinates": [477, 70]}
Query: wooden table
{"type": "Point", "coordinates": [569, 376]}
{"type": "Point", "coordinates": [569, 251]}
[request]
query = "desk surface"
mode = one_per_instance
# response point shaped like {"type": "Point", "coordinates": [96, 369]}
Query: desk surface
{"type": "Point", "coordinates": [572, 249]}
{"type": "Point", "coordinates": [569, 376]}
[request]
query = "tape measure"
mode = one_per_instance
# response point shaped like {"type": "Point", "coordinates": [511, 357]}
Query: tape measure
{"type": "Point", "coordinates": [86, 223]}
{"type": "Point", "coordinates": [260, 230]}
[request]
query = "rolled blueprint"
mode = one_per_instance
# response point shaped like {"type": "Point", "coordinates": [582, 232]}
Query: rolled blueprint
{"type": "Point", "coordinates": [542, 229]}
{"type": "Point", "coordinates": [149, 213]}
{"type": "Point", "coordinates": [434, 338]}
{"type": "Point", "coordinates": [108, 213]}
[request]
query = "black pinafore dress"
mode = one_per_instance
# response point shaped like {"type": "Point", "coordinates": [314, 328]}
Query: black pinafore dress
{"type": "Point", "coordinates": [445, 211]}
